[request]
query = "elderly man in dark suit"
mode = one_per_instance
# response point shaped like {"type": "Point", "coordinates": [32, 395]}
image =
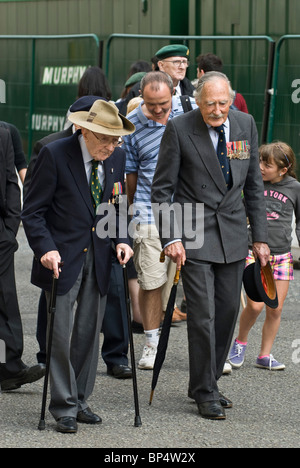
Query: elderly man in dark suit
{"type": "Point", "coordinates": [72, 179]}
{"type": "Point", "coordinates": [208, 158]}
{"type": "Point", "coordinates": [13, 372]}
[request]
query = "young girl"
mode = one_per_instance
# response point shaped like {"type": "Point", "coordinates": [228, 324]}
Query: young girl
{"type": "Point", "coordinates": [282, 194]}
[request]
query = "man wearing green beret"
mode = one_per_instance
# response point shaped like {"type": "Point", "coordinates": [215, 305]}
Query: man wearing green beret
{"type": "Point", "coordinates": [174, 60]}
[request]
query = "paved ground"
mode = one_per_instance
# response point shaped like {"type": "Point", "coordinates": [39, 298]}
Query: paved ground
{"type": "Point", "coordinates": [266, 404]}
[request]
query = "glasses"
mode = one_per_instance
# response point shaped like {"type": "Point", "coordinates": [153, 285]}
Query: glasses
{"type": "Point", "coordinates": [178, 63]}
{"type": "Point", "coordinates": [106, 141]}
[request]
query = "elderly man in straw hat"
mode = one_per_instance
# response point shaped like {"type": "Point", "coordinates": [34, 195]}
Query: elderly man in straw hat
{"type": "Point", "coordinates": [71, 177]}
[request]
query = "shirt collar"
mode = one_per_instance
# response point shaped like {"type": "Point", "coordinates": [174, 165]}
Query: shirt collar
{"type": "Point", "coordinates": [226, 124]}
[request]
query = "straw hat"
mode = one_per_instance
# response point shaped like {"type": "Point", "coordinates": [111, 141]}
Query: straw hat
{"type": "Point", "coordinates": [103, 117]}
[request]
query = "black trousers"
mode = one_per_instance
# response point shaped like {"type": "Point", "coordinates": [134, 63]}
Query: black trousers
{"type": "Point", "coordinates": [11, 330]}
{"type": "Point", "coordinates": [213, 294]}
{"type": "Point", "coordinates": [114, 349]}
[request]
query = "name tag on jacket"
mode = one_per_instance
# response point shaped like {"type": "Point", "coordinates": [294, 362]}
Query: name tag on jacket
{"type": "Point", "coordinates": [238, 149]}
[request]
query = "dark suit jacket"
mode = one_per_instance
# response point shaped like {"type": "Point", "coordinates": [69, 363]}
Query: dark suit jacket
{"type": "Point", "coordinates": [10, 201]}
{"type": "Point", "coordinates": [188, 167]}
{"type": "Point", "coordinates": [58, 213]}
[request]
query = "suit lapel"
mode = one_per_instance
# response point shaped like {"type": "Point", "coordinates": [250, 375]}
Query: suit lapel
{"type": "Point", "coordinates": [76, 166]}
{"type": "Point", "coordinates": [203, 144]}
{"type": "Point", "coordinates": [109, 178]}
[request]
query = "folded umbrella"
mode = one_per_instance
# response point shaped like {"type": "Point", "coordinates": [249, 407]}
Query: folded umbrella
{"type": "Point", "coordinates": [165, 333]}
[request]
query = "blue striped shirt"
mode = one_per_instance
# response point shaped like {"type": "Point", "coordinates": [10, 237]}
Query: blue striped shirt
{"type": "Point", "coordinates": [142, 148]}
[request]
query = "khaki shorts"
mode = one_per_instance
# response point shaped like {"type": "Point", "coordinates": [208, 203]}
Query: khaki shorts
{"type": "Point", "coordinates": [147, 248]}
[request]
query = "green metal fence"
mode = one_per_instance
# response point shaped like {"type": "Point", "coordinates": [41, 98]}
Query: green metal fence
{"type": "Point", "coordinates": [41, 74]}
{"type": "Point", "coordinates": [284, 121]}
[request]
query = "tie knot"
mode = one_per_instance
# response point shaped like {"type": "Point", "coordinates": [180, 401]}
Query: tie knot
{"type": "Point", "coordinates": [95, 164]}
{"type": "Point", "coordinates": [219, 129]}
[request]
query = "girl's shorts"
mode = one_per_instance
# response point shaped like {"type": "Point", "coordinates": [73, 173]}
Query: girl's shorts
{"type": "Point", "coordinates": [282, 265]}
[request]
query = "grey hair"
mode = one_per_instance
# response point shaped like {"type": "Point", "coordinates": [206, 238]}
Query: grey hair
{"type": "Point", "coordinates": [211, 76]}
{"type": "Point", "coordinates": [155, 78]}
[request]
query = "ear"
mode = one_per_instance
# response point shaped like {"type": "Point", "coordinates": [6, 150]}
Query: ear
{"type": "Point", "coordinates": [160, 65]}
{"type": "Point", "coordinates": [199, 73]}
{"type": "Point", "coordinates": [283, 171]}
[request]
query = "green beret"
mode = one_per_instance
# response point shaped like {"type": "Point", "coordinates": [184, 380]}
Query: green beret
{"type": "Point", "coordinates": [174, 50]}
{"type": "Point", "coordinates": [134, 79]}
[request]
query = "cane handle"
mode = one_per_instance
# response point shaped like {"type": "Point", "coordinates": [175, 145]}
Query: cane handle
{"type": "Point", "coordinates": [177, 276]}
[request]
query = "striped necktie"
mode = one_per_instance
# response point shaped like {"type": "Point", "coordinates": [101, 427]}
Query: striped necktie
{"type": "Point", "coordinates": [95, 185]}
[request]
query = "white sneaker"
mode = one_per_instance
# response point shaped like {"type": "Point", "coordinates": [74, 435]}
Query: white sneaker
{"type": "Point", "coordinates": [227, 369]}
{"type": "Point", "coordinates": [148, 357]}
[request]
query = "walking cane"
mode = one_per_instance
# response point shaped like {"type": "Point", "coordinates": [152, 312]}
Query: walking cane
{"type": "Point", "coordinates": [52, 308]}
{"type": "Point", "coordinates": [137, 420]}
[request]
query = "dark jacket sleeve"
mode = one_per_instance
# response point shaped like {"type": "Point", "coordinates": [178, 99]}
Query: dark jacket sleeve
{"type": "Point", "coordinates": [10, 201]}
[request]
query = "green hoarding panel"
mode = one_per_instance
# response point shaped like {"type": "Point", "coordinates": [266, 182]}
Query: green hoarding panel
{"type": "Point", "coordinates": [41, 76]}
{"type": "Point", "coordinates": [285, 106]}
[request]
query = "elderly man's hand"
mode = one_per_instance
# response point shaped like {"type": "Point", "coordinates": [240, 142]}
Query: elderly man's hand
{"type": "Point", "coordinates": [261, 251]}
{"type": "Point", "coordinates": [176, 252]}
{"type": "Point", "coordinates": [51, 260]}
{"type": "Point", "coordinates": [124, 253]}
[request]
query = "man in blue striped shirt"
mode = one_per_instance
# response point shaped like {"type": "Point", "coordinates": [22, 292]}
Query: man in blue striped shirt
{"type": "Point", "coordinates": [142, 148]}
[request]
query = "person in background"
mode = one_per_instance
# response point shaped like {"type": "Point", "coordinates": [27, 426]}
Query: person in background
{"type": "Point", "coordinates": [282, 195]}
{"type": "Point", "coordinates": [122, 103]}
{"type": "Point", "coordinates": [92, 83]}
{"type": "Point", "coordinates": [13, 372]}
{"type": "Point", "coordinates": [173, 60]}
{"type": "Point", "coordinates": [20, 159]}
{"type": "Point", "coordinates": [210, 62]}
{"type": "Point", "coordinates": [142, 147]}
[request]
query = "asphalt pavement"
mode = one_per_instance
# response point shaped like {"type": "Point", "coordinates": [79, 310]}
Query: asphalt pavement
{"type": "Point", "coordinates": [265, 413]}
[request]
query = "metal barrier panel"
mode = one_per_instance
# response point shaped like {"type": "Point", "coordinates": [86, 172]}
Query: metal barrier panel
{"type": "Point", "coordinates": [284, 122]}
{"type": "Point", "coordinates": [245, 61]}
{"type": "Point", "coordinates": [41, 74]}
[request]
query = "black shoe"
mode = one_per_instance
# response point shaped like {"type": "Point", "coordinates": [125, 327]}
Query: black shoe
{"type": "Point", "coordinates": [225, 402]}
{"type": "Point", "coordinates": [86, 416]}
{"type": "Point", "coordinates": [211, 410]}
{"type": "Point", "coordinates": [120, 371]}
{"type": "Point", "coordinates": [66, 425]}
{"type": "Point", "coordinates": [28, 375]}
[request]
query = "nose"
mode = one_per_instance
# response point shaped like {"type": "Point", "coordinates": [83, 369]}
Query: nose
{"type": "Point", "coordinates": [217, 109]}
{"type": "Point", "coordinates": [157, 109]}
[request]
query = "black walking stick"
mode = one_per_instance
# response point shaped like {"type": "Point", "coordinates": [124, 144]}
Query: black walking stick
{"type": "Point", "coordinates": [137, 420]}
{"type": "Point", "coordinates": [165, 332]}
{"type": "Point", "coordinates": [52, 308]}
